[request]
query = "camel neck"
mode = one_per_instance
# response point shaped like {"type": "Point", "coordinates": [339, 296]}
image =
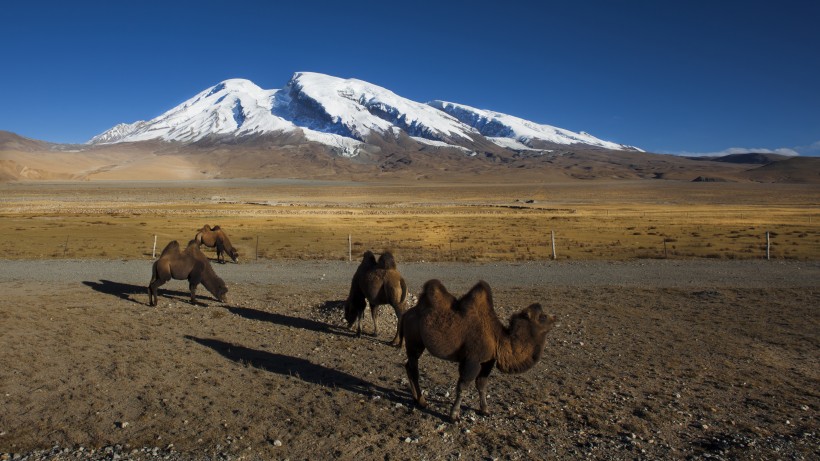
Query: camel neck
{"type": "Point", "coordinates": [518, 351]}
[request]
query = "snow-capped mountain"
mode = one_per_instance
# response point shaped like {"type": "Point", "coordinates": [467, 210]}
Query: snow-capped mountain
{"type": "Point", "coordinates": [509, 131]}
{"type": "Point", "coordinates": [345, 114]}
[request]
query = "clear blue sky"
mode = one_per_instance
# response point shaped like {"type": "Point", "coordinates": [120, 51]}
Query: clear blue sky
{"type": "Point", "coordinates": [668, 76]}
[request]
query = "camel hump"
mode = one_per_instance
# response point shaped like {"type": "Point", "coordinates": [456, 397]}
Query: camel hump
{"type": "Point", "coordinates": [387, 261]}
{"type": "Point", "coordinates": [436, 294]}
{"type": "Point", "coordinates": [479, 295]}
{"type": "Point", "coordinates": [216, 228]}
{"type": "Point", "coordinates": [368, 260]}
{"type": "Point", "coordinates": [173, 245]}
{"type": "Point", "coordinates": [205, 228]}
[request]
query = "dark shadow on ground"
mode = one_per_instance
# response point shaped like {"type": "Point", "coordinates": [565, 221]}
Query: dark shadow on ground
{"type": "Point", "coordinates": [126, 290]}
{"type": "Point", "coordinates": [301, 369]}
{"type": "Point", "coordinates": [288, 321]}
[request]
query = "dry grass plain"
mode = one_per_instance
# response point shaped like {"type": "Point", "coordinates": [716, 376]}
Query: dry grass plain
{"type": "Point", "coordinates": [292, 219]}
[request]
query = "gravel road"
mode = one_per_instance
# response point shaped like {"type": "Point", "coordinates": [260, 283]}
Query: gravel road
{"type": "Point", "coordinates": [658, 273]}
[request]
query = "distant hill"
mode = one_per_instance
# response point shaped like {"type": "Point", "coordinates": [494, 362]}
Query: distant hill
{"type": "Point", "coordinates": [14, 142]}
{"type": "Point", "coordinates": [295, 157]}
{"type": "Point", "coordinates": [804, 170]}
{"type": "Point", "coordinates": [752, 158]}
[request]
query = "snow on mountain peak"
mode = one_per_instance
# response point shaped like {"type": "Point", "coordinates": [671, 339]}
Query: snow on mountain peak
{"type": "Point", "coordinates": [359, 108]}
{"type": "Point", "coordinates": [340, 113]}
{"type": "Point", "coordinates": [496, 125]}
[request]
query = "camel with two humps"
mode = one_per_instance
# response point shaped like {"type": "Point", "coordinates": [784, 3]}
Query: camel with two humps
{"type": "Point", "coordinates": [468, 331]}
{"type": "Point", "coordinates": [217, 238]}
{"type": "Point", "coordinates": [189, 264]}
{"type": "Point", "coordinates": [375, 283]}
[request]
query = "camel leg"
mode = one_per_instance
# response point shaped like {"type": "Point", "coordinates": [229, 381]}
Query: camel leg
{"type": "Point", "coordinates": [219, 250]}
{"type": "Point", "coordinates": [412, 368]}
{"type": "Point", "coordinates": [153, 291]}
{"type": "Point", "coordinates": [467, 373]}
{"type": "Point", "coordinates": [152, 297]}
{"type": "Point", "coordinates": [192, 286]}
{"type": "Point", "coordinates": [481, 384]}
{"type": "Point", "coordinates": [356, 303]}
{"type": "Point", "coordinates": [359, 324]}
{"type": "Point", "coordinates": [397, 339]}
{"type": "Point", "coordinates": [374, 314]}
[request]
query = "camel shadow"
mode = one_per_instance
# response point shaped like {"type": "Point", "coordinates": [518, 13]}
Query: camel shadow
{"type": "Point", "coordinates": [124, 291]}
{"type": "Point", "coordinates": [286, 320]}
{"type": "Point", "coordinates": [299, 368]}
{"type": "Point", "coordinates": [290, 321]}
{"type": "Point", "coordinates": [127, 291]}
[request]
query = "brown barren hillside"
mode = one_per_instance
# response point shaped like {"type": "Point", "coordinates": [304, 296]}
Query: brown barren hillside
{"type": "Point", "coordinates": [805, 170]}
{"type": "Point", "coordinates": [292, 157]}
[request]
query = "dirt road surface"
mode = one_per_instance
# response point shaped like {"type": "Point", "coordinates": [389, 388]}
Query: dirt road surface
{"type": "Point", "coordinates": [651, 360]}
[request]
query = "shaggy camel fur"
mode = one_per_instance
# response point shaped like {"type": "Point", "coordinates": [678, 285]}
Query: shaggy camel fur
{"type": "Point", "coordinates": [376, 283]}
{"type": "Point", "coordinates": [217, 237]}
{"type": "Point", "coordinates": [468, 331]}
{"type": "Point", "coordinates": [190, 264]}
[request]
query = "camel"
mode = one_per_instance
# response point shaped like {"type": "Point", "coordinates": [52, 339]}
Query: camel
{"type": "Point", "coordinates": [376, 283]}
{"type": "Point", "coordinates": [468, 331]}
{"type": "Point", "coordinates": [217, 237]}
{"type": "Point", "coordinates": [190, 264]}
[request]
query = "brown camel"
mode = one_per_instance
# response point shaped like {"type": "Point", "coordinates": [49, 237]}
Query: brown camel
{"type": "Point", "coordinates": [376, 283]}
{"type": "Point", "coordinates": [217, 237]}
{"type": "Point", "coordinates": [190, 264]}
{"type": "Point", "coordinates": [468, 331]}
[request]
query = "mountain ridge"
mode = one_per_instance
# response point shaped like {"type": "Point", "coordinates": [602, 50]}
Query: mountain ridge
{"type": "Point", "coordinates": [344, 114]}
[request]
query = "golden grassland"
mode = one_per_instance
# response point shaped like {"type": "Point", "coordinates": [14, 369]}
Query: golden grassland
{"type": "Point", "coordinates": [280, 219]}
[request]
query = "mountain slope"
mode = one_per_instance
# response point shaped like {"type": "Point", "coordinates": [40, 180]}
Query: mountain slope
{"type": "Point", "coordinates": [805, 170]}
{"type": "Point", "coordinates": [348, 115]}
{"type": "Point", "coordinates": [507, 130]}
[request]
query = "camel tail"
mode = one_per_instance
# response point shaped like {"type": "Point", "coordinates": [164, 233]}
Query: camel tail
{"type": "Point", "coordinates": [154, 275]}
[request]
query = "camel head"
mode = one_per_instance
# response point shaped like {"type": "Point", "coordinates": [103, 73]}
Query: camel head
{"type": "Point", "coordinates": [221, 291]}
{"type": "Point", "coordinates": [521, 348]}
{"type": "Point", "coordinates": [233, 254]}
{"type": "Point", "coordinates": [532, 322]}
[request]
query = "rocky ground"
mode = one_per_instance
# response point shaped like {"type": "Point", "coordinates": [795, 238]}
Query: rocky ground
{"type": "Point", "coordinates": [651, 360]}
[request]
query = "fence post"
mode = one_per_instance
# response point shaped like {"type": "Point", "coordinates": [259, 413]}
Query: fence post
{"type": "Point", "coordinates": [552, 238]}
{"type": "Point", "coordinates": [349, 248]}
{"type": "Point", "coordinates": [256, 251]}
{"type": "Point", "coordinates": [665, 253]}
{"type": "Point", "coordinates": [154, 251]}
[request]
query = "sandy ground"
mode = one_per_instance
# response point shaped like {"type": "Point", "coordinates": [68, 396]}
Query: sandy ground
{"type": "Point", "coordinates": [651, 360]}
